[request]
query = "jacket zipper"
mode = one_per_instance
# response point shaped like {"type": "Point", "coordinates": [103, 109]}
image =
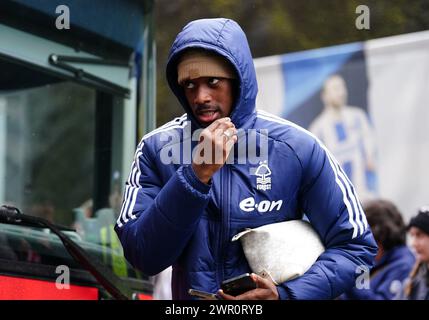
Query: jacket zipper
{"type": "Point", "coordinates": [224, 231]}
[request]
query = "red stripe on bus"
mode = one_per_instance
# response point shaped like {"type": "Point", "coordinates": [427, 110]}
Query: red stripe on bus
{"type": "Point", "coordinates": [14, 288]}
{"type": "Point", "coordinates": [142, 296]}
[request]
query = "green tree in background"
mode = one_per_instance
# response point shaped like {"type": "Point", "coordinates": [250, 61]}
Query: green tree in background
{"type": "Point", "coordinates": [282, 26]}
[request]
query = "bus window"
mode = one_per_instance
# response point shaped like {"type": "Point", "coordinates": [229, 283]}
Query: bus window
{"type": "Point", "coordinates": [60, 159]}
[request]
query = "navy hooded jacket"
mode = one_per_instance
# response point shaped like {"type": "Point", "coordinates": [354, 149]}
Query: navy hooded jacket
{"type": "Point", "coordinates": [169, 217]}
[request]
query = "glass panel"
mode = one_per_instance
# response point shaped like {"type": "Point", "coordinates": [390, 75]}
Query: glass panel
{"type": "Point", "coordinates": [48, 147]}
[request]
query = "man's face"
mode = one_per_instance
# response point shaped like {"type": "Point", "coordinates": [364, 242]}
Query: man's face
{"type": "Point", "coordinates": [209, 98]}
{"type": "Point", "coordinates": [335, 92]}
{"type": "Point", "coordinates": [420, 243]}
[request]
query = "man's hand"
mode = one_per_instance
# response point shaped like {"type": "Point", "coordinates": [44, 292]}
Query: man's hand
{"type": "Point", "coordinates": [266, 290]}
{"type": "Point", "coordinates": [215, 144]}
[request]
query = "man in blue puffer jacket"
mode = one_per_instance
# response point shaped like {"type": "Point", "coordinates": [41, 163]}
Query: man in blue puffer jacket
{"type": "Point", "coordinates": [183, 211]}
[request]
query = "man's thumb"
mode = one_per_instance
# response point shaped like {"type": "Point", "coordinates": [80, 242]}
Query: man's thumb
{"type": "Point", "coordinates": [260, 282]}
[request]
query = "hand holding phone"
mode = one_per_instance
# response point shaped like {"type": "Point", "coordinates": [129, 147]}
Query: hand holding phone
{"type": "Point", "coordinates": [238, 285]}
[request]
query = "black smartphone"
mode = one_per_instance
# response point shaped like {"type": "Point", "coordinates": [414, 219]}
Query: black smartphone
{"type": "Point", "coordinates": [238, 285]}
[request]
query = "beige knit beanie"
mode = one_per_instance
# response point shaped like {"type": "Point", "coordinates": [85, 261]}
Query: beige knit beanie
{"type": "Point", "coordinates": [202, 63]}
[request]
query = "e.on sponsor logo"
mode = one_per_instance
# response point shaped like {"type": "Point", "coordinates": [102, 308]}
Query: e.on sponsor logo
{"type": "Point", "coordinates": [249, 205]}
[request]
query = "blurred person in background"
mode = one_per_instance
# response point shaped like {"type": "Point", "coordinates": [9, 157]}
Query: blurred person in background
{"type": "Point", "coordinates": [394, 260]}
{"type": "Point", "coordinates": [417, 285]}
{"type": "Point", "coordinates": [347, 132]}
